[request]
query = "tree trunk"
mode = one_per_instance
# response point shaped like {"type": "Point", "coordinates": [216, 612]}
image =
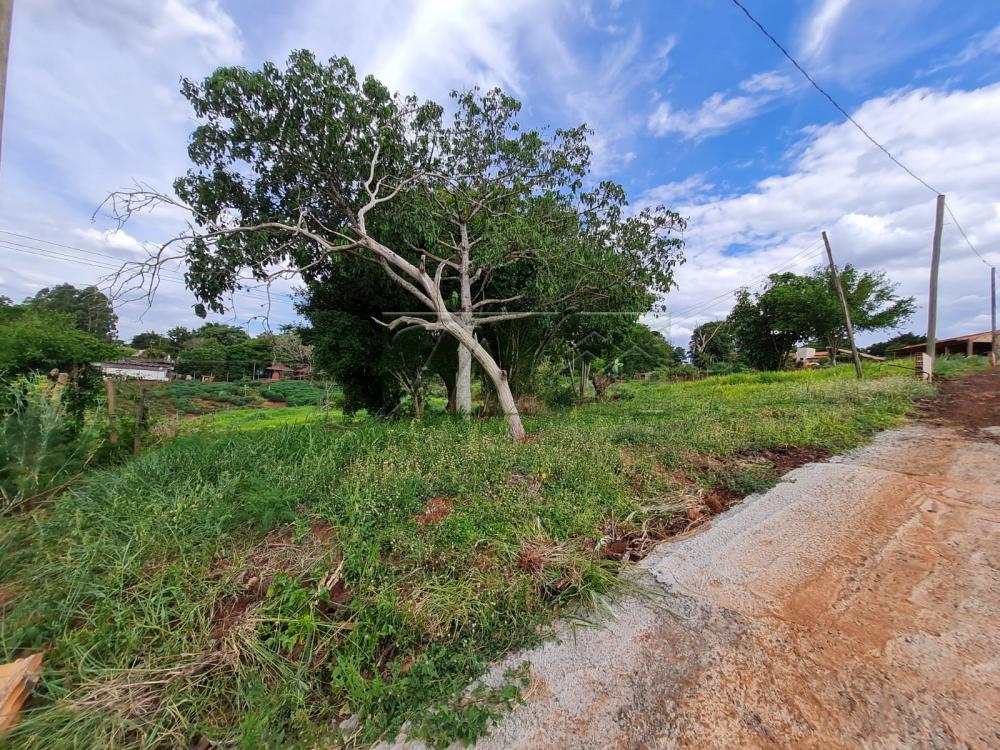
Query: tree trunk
{"type": "Point", "coordinates": [463, 379]}
{"type": "Point", "coordinates": [496, 375]}
{"type": "Point", "coordinates": [449, 386]}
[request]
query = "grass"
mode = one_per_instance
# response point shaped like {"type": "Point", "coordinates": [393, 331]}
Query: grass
{"type": "Point", "coordinates": [258, 580]}
{"type": "Point", "coordinates": [192, 397]}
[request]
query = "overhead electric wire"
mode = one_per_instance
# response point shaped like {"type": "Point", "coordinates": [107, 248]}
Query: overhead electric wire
{"type": "Point", "coordinates": [829, 98]}
{"type": "Point", "coordinates": [173, 276]}
{"type": "Point", "coordinates": [699, 307]}
{"type": "Point", "coordinates": [964, 235]}
{"type": "Point", "coordinates": [856, 124]}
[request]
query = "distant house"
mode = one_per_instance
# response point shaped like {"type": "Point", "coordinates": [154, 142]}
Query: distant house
{"type": "Point", "coordinates": [138, 369]}
{"type": "Point", "coordinates": [807, 356]}
{"type": "Point", "coordinates": [279, 371]}
{"type": "Point", "coordinates": [970, 344]}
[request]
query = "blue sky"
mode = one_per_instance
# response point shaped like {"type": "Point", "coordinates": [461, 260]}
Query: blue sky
{"type": "Point", "coordinates": [690, 104]}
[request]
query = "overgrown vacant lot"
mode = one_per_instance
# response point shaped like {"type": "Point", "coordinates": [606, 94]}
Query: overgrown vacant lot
{"type": "Point", "coordinates": [257, 586]}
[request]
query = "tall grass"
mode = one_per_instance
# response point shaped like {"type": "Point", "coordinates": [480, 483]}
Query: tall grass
{"type": "Point", "coordinates": [42, 445]}
{"type": "Point", "coordinates": [257, 586]}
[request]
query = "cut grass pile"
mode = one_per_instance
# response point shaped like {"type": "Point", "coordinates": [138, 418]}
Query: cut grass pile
{"type": "Point", "coordinates": [256, 587]}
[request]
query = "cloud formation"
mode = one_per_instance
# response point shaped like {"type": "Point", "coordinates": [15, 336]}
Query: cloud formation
{"type": "Point", "coordinates": [876, 215]}
{"type": "Point", "coordinates": [719, 112]}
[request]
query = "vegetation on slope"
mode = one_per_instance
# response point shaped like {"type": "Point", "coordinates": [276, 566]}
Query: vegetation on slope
{"type": "Point", "coordinates": [261, 586]}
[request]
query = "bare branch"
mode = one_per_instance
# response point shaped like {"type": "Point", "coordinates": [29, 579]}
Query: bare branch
{"type": "Point", "coordinates": [503, 301]}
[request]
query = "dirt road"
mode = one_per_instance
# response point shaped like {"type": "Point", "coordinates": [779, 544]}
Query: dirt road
{"type": "Point", "coordinates": [855, 605]}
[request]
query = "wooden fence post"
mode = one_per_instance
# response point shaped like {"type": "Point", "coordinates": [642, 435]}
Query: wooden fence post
{"type": "Point", "coordinates": [109, 385]}
{"type": "Point", "coordinates": [140, 420]}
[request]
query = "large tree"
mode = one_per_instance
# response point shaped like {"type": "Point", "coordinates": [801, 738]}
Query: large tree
{"type": "Point", "coordinates": [89, 308]}
{"type": "Point", "coordinates": [295, 167]}
{"type": "Point", "coordinates": [792, 309]}
{"type": "Point", "coordinates": [33, 340]}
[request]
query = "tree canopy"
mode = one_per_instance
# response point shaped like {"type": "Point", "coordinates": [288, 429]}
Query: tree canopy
{"type": "Point", "coordinates": [89, 308]}
{"type": "Point", "coordinates": [791, 309]}
{"type": "Point", "coordinates": [308, 166]}
{"type": "Point", "coordinates": [33, 340]}
{"type": "Point", "coordinates": [711, 344]}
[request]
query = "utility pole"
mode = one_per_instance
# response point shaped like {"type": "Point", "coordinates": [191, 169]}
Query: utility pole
{"type": "Point", "coordinates": [932, 295]}
{"type": "Point", "coordinates": [6, 16]}
{"type": "Point", "coordinates": [994, 344]}
{"type": "Point", "coordinates": [843, 304]}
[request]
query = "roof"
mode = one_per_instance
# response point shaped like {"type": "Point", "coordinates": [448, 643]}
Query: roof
{"type": "Point", "coordinates": [280, 367]}
{"type": "Point", "coordinates": [133, 364]}
{"type": "Point", "coordinates": [976, 338]}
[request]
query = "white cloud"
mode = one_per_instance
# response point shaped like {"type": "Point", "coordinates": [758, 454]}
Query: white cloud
{"type": "Point", "coordinates": [823, 22]}
{"type": "Point", "coordinates": [93, 106]}
{"type": "Point", "coordinates": [769, 82]}
{"type": "Point", "coordinates": [112, 239]}
{"type": "Point", "coordinates": [876, 215]}
{"type": "Point", "coordinates": [985, 43]}
{"type": "Point", "coordinates": [720, 111]}
{"type": "Point", "coordinates": [716, 114]}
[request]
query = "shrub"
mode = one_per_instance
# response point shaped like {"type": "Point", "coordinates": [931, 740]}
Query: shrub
{"type": "Point", "coordinates": [554, 388]}
{"type": "Point", "coordinates": [42, 444]}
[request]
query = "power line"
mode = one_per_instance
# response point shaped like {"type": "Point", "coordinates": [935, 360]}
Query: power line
{"type": "Point", "coordinates": [170, 276]}
{"type": "Point", "coordinates": [964, 235]}
{"type": "Point", "coordinates": [856, 124]}
{"type": "Point", "coordinates": [119, 261]}
{"type": "Point", "coordinates": [832, 101]}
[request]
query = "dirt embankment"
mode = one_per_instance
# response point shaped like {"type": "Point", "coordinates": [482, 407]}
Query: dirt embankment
{"type": "Point", "coordinates": [854, 605]}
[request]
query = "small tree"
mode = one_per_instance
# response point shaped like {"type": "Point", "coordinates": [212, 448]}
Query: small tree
{"type": "Point", "coordinates": [295, 167]}
{"type": "Point", "coordinates": [711, 343]}
{"type": "Point", "coordinates": [871, 298]}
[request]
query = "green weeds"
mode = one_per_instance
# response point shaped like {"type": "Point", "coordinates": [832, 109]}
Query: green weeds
{"type": "Point", "coordinates": [258, 583]}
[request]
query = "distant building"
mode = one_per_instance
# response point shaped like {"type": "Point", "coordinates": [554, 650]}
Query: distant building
{"type": "Point", "coordinates": [279, 371]}
{"type": "Point", "coordinates": [138, 369]}
{"type": "Point", "coordinates": [970, 344]}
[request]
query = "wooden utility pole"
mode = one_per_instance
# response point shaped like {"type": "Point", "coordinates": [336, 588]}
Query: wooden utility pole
{"type": "Point", "coordinates": [994, 344]}
{"type": "Point", "coordinates": [843, 304]}
{"type": "Point", "coordinates": [109, 384]}
{"type": "Point", "coordinates": [932, 295]}
{"type": "Point", "coordinates": [6, 16]}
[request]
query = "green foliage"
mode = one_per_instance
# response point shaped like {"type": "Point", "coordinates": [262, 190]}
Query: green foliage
{"type": "Point", "coordinates": [792, 309]}
{"type": "Point", "coordinates": [538, 236]}
{"type": "Point", "coordinates": [645, 350]}
{"type": "Point", "coordinates": [33, 340]}
{"type": "Point", "coordinates": [712, 345]}
{"type": "Point", "coordinates": [884, 348]}
{"type": "Point", "coordinates": [296, 392]}
{"type": "Point", "coordinates": [43, 445]}
{"type": "Point", "coordinates": [555, 389]}
{"type": "Point", "coordinates": [89, 308]}
{"type": "Point", "coordinates": [140, 582]}
{"type": "Point", "coordinates": [151, 340]}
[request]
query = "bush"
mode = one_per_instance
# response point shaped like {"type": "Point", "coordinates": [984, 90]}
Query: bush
{"type": "Point", "coordinates": [43, 445]}
{"type": "Point", "coordinates": [554, 389]}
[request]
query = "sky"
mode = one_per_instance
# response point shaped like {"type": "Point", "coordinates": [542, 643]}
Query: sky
{"type": "Point", "coordinates": [691, 107]}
